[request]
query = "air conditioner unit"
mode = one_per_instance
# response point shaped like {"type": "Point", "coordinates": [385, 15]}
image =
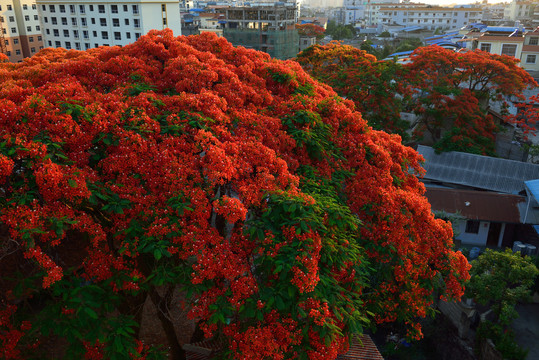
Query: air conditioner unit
{"type": "Point", "coordinates": [518, 246]}
{"type": "Point", "coordinates": [531, 249]}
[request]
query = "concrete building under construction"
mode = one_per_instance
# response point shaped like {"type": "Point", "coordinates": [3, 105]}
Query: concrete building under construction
{"type": "Point", "coordinates": [266, 28]}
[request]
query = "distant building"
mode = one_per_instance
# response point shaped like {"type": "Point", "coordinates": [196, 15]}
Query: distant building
{"type": "Point", "coordinates": [430, 17]}
{"type": "Point", "coordinates": [271, 29]}
{"type": "Point", "coordinates": [518, 10]}
{"type": "Point", "coordinates": [20, 30]}
{"type": "Point", "coordinates": [87, 24]}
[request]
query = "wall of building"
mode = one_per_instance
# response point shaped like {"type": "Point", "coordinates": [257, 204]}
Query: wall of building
{"type": "Point", "coordinates": [87, 24]}
{"type": "Point", "coordinates": [479, 239]}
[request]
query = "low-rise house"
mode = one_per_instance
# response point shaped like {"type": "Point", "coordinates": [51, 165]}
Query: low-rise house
{"type": "Point", "coordinates": [488, 195]}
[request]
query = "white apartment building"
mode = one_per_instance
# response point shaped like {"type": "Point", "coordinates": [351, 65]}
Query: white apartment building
{"type": "Point", "coordinates": [82, 25]}
{"type": "Point", "coordinates": [364, 12]}
{"type": "Point", "coordinates": [431, 17]}
{"type": "Point", "coordinates": [20, 30]}
{"type": "Point", "coordinates": [519, 10]}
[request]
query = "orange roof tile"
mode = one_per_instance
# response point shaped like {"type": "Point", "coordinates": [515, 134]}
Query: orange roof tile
{"type": "Point", "coordinates": [364, 349]}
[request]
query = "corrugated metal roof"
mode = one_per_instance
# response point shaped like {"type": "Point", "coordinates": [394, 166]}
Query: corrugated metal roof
{"type": "Point", "coordinates": [482, 172]}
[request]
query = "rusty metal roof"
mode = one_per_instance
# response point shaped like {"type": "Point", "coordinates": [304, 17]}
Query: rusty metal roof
{"type": "Point", "coordinates": [478, 205]}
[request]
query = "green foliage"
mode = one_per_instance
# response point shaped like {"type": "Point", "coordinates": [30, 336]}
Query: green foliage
{"type": "Point", "coordinates": [340, 32]}
{"type": "Point", "coordinates": [501, 280]}
{"type": "Point", "coordinates": [385, 34]}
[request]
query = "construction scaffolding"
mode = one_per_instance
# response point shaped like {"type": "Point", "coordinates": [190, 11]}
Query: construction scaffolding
{"type": "Point", "coordinates": [3, 47]}
{"type": "Point", "coordinates": [279, 44]}
{"type": "Point", "coordinates": [266, 28]}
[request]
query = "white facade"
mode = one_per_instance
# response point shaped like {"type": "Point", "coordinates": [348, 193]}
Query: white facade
{"type": "Point", "coordinates": [21, 29]}
{"type": "Point", "coordinates": [518, 10]}
{"type": "Point", "coordinates": [83, 25]}
{"type": "Point", "coordinates": [431, 18]}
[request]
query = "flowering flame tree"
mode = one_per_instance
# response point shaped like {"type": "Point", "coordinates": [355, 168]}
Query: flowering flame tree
{"type": "Point", "coordinates": [185, 163]}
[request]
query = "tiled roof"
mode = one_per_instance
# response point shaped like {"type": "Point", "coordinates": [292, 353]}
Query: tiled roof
{"type": "Point", "coordinates": [531, 48]}
{"type": "Point", "coordinates": [362, 348]}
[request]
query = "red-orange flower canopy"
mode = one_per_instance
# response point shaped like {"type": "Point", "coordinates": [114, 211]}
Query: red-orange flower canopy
{"type": "Point", "coordinates": [185, 163]}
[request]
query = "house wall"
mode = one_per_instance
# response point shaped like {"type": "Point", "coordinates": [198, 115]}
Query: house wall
{"type": "Point", "coordinates": [479, 239]}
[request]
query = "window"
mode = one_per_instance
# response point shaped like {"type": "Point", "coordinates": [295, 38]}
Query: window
{"type": "Point", "coordinates": [6, 42]}
{"type": "Point", "coordinates": [91, 8]}
{"type": "Point", "coordinates": [116, 22]}
{"type": "Point", "coordinates": [28, 28]}
{"type": "Point", "coordinates": [1, 19]}
{"type": "Point", "coordinates": [472, 226]}
{"type": "Point", "coordinates": [164, 21]}
{"type": "Point", "coordinates": [50, 43]}
{"type": "Point", "coordinates": [125, 8]}
{"type": "Point", "coordinates": [101, 9]}
{"type": "Point", "coordinates": [82, 9]}
{"type": "Point", "coordinates": [86, 46]}
{"type": "Point", "coordinates": [9, 7]}
{"type": "Point", "coordinates": [164, 8]}
{"type": "Point", "coordinates": [17, 52]}
{"type": "Point", "coordinates": [52, 9]}
{"type": "Point", "coordinates": [114, 9]}
{"type": "Point", "coordinates": [103, 21]}
{"type": "Point", "coordinates": [77, 46]}
{"type": "Point", "coordinates": [83, 22]}
{"type": "Point", "coordinates": [96, 45]}
{"type": "Point", "coordinates": [36, 17]}
{"type": "Point", "coordinates": [74, 21]}
{"type": "Point", "coordinates": [136, 23]}
{"type": "Point", "coordinates": [68, 45]}
{"type": "Point", "coordinates": [26, 17]}
{"type": "Point", "coordinates": [38, 28]}
{"type": "Point", "coordinates": [34, 6]}
{"type": "Point", "coordinates": [12, 18]}
{"type": "Point", "coordinates": [56, 32]}
{"type": "Point", "coordinates": [8, 53]}
{"type": "Point", "coordinates": [128, 35]}
{"type": "Point", "coordinates": [530, 59]}
{"type": "Point", "coordinates": [48, 31]}
{"type": "Point", "coordinates": [93, 21]}
{"type": "Point", "coordinates": [104, 35]}
{"type": "Point", "coordinates": [117, 36]}
{"type": "Point", "coordinates": [45, 19]}
{"type": "Point", "coordinates": [43, 7]}
{"type": "Point", "coordinates": [14, 30]}
{"type": "Point", "coordinates": [509, 49]}
{"type": "Point", "coordinates": [64, 21]}
{"type": "Point", "coordinates": [137, 35]}
{"type": "Point", "coordinates": [135, 9]}
{"type": "Point", "coordinates": [126, 21]}
{"type": "Point", "coordinates": [85, 34]}
{"type": "Point", "coordinates": [62, 8]}
{"type": "Point", "coordinates": [39, 38]}
{"type": "Point", "coordinates": [76, 34]}
{"type": "Point", "coordinates": [94, 33]}
{"type": "Point", "coordinates": [534, 40]}
{"type": "Point", "coordinates": [33, 50]}
{"type": "Point", "coordinates": [25, 7]}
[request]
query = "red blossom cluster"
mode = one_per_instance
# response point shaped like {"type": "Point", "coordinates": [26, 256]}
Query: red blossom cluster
{"type": "Point", "coordinates": [185, 163]}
